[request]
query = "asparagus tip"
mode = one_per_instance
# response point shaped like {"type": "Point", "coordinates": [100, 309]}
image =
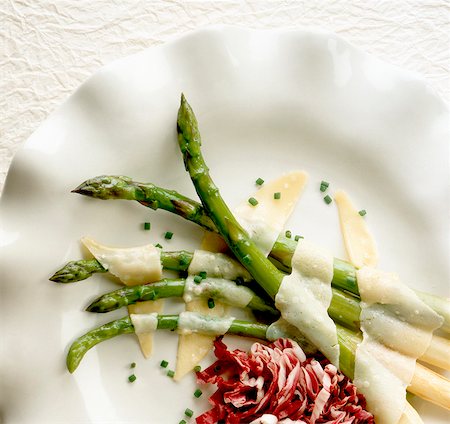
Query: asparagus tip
{"type": "Point", "coordinates": [55, 278]}
{"type": "Point", "coordinates": [93, 307]}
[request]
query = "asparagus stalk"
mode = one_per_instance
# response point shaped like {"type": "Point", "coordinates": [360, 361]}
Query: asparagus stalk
{"type": "Point", "coordinates": [120, 187]}
{"type": "Point", "coordinates": [245, 250]}
{"type": "Point", "coordinates": [167, 288]}
{"type": "Point", "coordinates": [124, 326]}
{"type": "Point", "coordinates": [149, 195]}
{"type": "Point", "coordinates": [425, 383]}
{"type": "Point", "coordinates": [77, 271]}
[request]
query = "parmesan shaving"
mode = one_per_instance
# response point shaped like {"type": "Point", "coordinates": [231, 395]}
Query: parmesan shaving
{"type": "Point", "coordinates": [265, 221]}
{"type": "Point", "coordinates": [359, 242]}
{"type": "Point", "coordinates": [133, 266]}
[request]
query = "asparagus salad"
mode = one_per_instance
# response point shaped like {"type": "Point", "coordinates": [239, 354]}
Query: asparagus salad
{"type": "Point", "coordinates": [336, 341]}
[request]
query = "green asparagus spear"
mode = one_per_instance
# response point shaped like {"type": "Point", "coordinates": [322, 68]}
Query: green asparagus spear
{"type": "Point", "coordinates": [89, 340]}
{"type": "Point", "coordinates": [165, 322]}
{"type": "Point", "coordinates": [168, 288]}
{"type": "Point", "coordinates": [344, 308]}
{"type": "Point", "coordinates": [77, 271]}
{"type": "Point", "coordinates": [348, 341]}
{"type": "Point", "coordinates": [245, 250]}
{"type": "Point", "coordinates": [120, 187]}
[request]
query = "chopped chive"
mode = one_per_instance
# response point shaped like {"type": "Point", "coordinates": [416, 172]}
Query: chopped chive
{"type": "Point", "coordinates": [288, 234]}
{"type": "Point", "coordinates": [197, 368]}
{"type": "Point", "coordinates": [184, 260]}
{"type": "Point", "coordinates": [362, 212]}
{"type": "Point", "coordinates": [198, 393]}
{"type": "Point", "coordinates": [323, 186]}
{"type": "Point", "coordinates": [259, 181]}
{"type": "Point", "coordinates": [198, 279]}
{"type": "Point", "coordinates": [170, 373]}
{"type": "Point", "coordinates": [211, 303]}
{"type": "Point", "coordinates": [168, 235]}
{"type": "Point", "coordinates": [277, 195]}
{"type": "Point", "coordinates": [158, 245]}
{"type": "Point", "coordinates": [297, 237]}
{"type": "Point", "coordinates": [132, 378]}
{"type": "Point", "coordinates": [252, 201]}
{"type": "Point", "coordinates": [188, 412]}
{"type": "Point", "coordinates": [146, 225]}
{"type": "Point", "coordinates": [164, 363]}
{"type": "Point", "coordinates": [182, 422]}
{"type": "Point", "coordinates": [247, 259]}
{"type": "Point", "coordinates": [327, 199]}
{"type": "Point", "coordinates": [202, 274]}
{"type": "Point", "coordinates": [133, 365]}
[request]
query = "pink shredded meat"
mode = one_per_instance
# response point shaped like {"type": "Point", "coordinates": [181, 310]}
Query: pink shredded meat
{"type": "Point", "coordinates": [279, 380]}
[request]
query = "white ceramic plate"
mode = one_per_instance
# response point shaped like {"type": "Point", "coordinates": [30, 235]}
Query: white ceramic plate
{"type": "Point", "coordinates": [267, 102]}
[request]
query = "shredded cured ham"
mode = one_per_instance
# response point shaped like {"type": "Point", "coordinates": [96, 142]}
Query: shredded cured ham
{"type": "Point", "coordinates": [277, 383]}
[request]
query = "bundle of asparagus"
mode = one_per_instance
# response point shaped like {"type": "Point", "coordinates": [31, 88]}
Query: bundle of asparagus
{"type": "Point", "coordinates": [215, 216]}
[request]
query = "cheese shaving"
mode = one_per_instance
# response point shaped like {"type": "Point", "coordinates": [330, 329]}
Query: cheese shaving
{"type": "Point", "coordinates": [359, 243]}
{"type": "Point", "coordinates": [133, 266]}
{"type": "Point", "coordinates": [265, 221]}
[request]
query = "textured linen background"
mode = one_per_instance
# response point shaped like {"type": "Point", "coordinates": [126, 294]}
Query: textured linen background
{"type": "Point", "coordinates": [50, 47]}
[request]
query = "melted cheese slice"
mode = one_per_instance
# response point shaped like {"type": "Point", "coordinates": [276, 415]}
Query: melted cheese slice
{"type": "Point", "coordinates": [224, 290]}
{"type": "Point", "coordinates": [397, 329]}
{"type": "Point", "coordinates": [305, 295]}
{"type": "Point", "coordinates": [217, 265]}
{"type": "Point", "coordinates": [359, 242]}
{"type": "Point", "coordinates": [264, 223]}
{"type": "Point", "coordinates": [133, 266]}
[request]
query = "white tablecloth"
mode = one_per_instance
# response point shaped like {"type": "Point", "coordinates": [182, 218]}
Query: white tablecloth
{"type": "Point", "coordinates": [49, 47]}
